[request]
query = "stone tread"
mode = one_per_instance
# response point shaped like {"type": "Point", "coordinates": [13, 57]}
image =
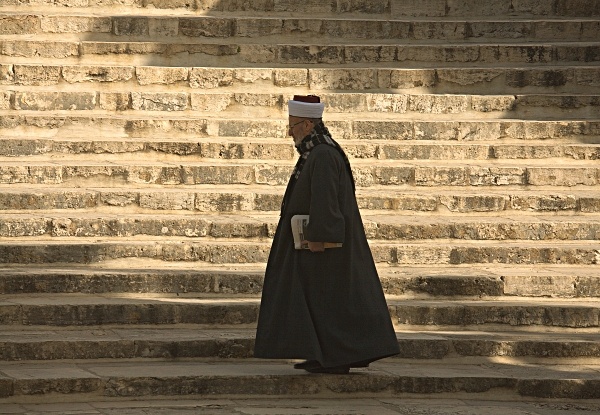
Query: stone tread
{"type": "Point", "coordinates": [41, 343]}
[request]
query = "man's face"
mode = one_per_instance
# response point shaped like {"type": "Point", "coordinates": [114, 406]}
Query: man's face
{"type": "Point", "coordinates": [298, 128]}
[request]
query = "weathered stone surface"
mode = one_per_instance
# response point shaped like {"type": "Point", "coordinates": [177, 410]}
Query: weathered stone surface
{"type": "Point", "coordinates": [36, 75]}
{"type": "Point", "coordinates": [577, 8]}
{"type": "Point", "coordinates": [342, 79]}
{"type": "Point", "coordinates": [438, 104]}
{"type": "Point", "coordinates": [211, 102]}
{"type": "Point", "coordinates": [441, 176]}
{"type": "Point", "coordinates": [123, 48]}
{"type": "Point", "coordinates": [48, 200]}
{"type": "Point", "coordinates": [420, 8]}
{"type": "Point", "coordinates": [435, 130]}
{"type": "Point", "coordinates": [366, 54]}
{"type": "Point", "coordinates": [147, 75]}
{"type": "Point", "coordinates": [39, 49]}
{"type": "Point", "coordinates": [468, 76]}
{"type": "Point", "coordinates": [490, 8]}
{"type": "Point", "coordinates": [290, 77]}
{"type": "Point", "coordinates": [76, 24]}
{"type": "Point", "coordinates": [478, 203]}
{"type": "Point", "coordinates": [5, 100]}
{"type": "Point", "coordinates": [589, 204]}
{"type": "Point", "coordinates": [384, 130]}
{"type": "Point", "coordinates": [83, 73]}
{"type": "Point", "coordinates": [400, 202]}
{"type": "Point", "coordinates": [406, 78]}
{"type": "Point", "coordinates": [167, 200]}
{"type": "Point", "coordinates": [130, 26]}
{"type": "Point", "coordinates": [438, 54]}
{"type": "Point", "coordinates": [223, 202]}
{"type": "Point", "coordinates": [272, 175]}
{"type": "Point", "coordinates": [18, 25]}
{"type": "Point", "coordinates": [493, 103]}
{"type": "Point", "coordinates": [538, 77]}
{"type": "Point", "coordinates": [387, 102]}
{"type": "Point", "coordinates": [218, 175]}
{"type": "Point", "coordinates": [258, 27]}
{"type": "Point", "coordinates": [587, 76]}
{"type": "Point", "coordinates": [259, 53]}
{"type": "Point", "coordinates": [159, 101]}
{"type": "Point", "coordinates": [300, 54]}
{"type": "Point", "coordinates": [210, 77]}
{"type": "Point", "coordinates": [206, 27]}
{"type": "Point", "coordinates": [115, 101]}
{"type": "Point", "coordinates": [539, 176]}
{"type": "Point", "coordinates": [543, 202]}
{"type": "Point", "coordinates": [251, 75]}
{"type": "Point", "coordinates": [47, 101]}
{"type": "Point", "coordinates": [7, 75]}
{"type": "Point", "coordinates": [119, 198]}
{"type": "Point", "coordinates": [163, 27]}
{"type": "Point", "coordinates": [262, 129]}
{"type": "Point", "coordinates": [522, 255]}
{"type": "Point", "coordinates": [497, 176]}
{"type": "Point", "coordinates": [540, 286]}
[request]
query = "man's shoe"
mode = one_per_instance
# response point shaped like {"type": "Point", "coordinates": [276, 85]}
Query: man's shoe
{"type": "Point", "coordinates": [307, 364]}
{"type": "Point", "coordinates": [336, 370]}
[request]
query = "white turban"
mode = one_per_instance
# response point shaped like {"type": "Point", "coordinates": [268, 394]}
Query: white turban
{"type": "Point", "coordinates": [305, 109]}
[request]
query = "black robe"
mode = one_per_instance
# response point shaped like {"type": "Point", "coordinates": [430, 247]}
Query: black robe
{"type": "Point", "coordinates": [325, 306]}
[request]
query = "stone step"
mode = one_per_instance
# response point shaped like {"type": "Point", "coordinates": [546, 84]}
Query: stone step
{"type": "Point", "coordinates": [106, 310]}
{"type": "Point", "coordinates": [582, 79]}
{"type": "Point", "coordinates": [385, 8]}
{"type": "Point", "coordinates": [255, 251]}
{"type": "Point", "coordinates": [233, 199]}
{"type": "Point", "coordinates": [106, 26]}
{"type": "Point", "coordinates": [245, 172]}
{"type": "Point", "coordinates": [409, 282]}
{"type": "Point", "coordinates": [40, 343]}
{"type": "Point", "coordinates": [219, 52]}
{"type": "Point", "coordinates": [261, 104]}
{"type": "Point", "coordinates": [40, 125]}
{"type": "Point", "coordinates": [377, 227]}
{"type": "Point", "coordinates": [256, 149]}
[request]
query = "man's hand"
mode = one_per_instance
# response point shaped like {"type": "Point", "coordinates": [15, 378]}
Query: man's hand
{"type": "Point", "coordinates": [315, 246]}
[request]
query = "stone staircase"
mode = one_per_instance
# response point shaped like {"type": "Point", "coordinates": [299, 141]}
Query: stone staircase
{"type": "Point", "coordinates": [143, 158]}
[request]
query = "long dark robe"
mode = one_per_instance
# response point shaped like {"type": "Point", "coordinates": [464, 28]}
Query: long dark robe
{"type": "Point", "coordinates": [325, 306]}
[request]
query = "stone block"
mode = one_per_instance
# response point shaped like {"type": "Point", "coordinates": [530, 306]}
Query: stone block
{"type": "Point", "coordinates": [147, 75]}
{"type": "Point", "coordinates": [438, 104]}
{"type": "Point", "coordinates": [496, 176]}
{"type": "Point", "coordinates": [520, 78]}
{"type": "Point", "coordinates": [475, 131]}
{"type": "Point", "coordinates": [154, 175]}
{"type": "Point", "coordinates": [558, 30]}
{"type": "Point", "coordinates": [539, 176]}
{"type": "Point", "coordinates": [206, 27]}
{"type": "Point", "coordinates": [469, 8]}
{"type": "Point", "coordinates": [342, 79]}
{"type": "Point", "coordinates": [587, 76]}
{"type": "Point", "coordinates": [73, 74]}
{"type": "Point", "coordinates": [242, 128]}
{"type": "Point", "coordinates": [435, 130]}
{"type": "Point", "coordinates": [502, 30]}
{"type": "Point", "coordinates": [441, 176]}
{"type": "Point", "coordinates": [301, 54]}
{"type": "Point", "coordinates": [5, 97]}
{"type": "Point", "coordinates": [516, 54]}
{"type": "Point", "coordinates": [369, 54]}
{"type": "Point", "coordinates": [589, 204]}
{"type": "Point", "coordinates": [406, 78]}
{"type": "Point", "coordinates": [259, 53]}
{"type": "Point", "coordinates": [31, 174]}
{"type": "Point", "coordinates": [218, 174]}
{"type": "Point", "coordinates": [341, 130]}
{"type": "Point", "coordinates": [115, 101]}
{"type": "Point", "coordinates": [159, 101]}
{"type": "Point", "coordinates": [466, 76]}
{"type": "Point", "coordinates": [224, 202]}
{"type": "Point", "coordinates": [208, 78]}
{"type": "Point", "coordinates": [120, 198]}
{"type": "Point", "coordinates": [364, 29]}
{"type": "Point", "coordinates": [284, 77]}
{"type": "Point", "coordinates": [400, 202]}
{"type": "Point", "coordinates": [211, 102]}
{"type": "Point", "coordinates": [466, 53]}
{"type": "Point", "coordinates": [167, 200]}
{"type": "Point", "coordinates": [163, 27]}
{"type": "Point", "coordinates": [418, 8]}
{"type": "Point", "coordinates": [39, 49]}
{"type": "Point", "coordinates": [475, 203]}
{"type": "Point", "coordinates": [48, 200]}
{"type": "Point", "coordinates": [344, 102]}
{"type": "Point", "coordinates": [130, 26]}
{"type": "Point", "coordinates": [590, 30]}
{"type": "Point", "coordinates": [246, 27]}
{"type": "Point", "coordinates": [272, 175]}
{"type": "Point", "coordinates": [251, 75]}
{"type": "Point", "coordinates": [364, 6]}
{"type": "Point", "coordinates": [124, 48]}
{"type": "Point", "coordinates": [259, 100]}
{"type": "Point", "coordinates": [7, 75]}
{"type": "Point", "coordinates": [492, 103]}
{"type": "Point", "coordinates": [19, 25]}
{"type": "Point", "coordinates": [48, 101]}
{"type": "Point", "coordinates": [36, 75]}
{"type": "Point", "coordinates": [392, 175]}
{"type": "Point", "coordinates": [535, 7]}
{"type": "Point", "coordinates": [307, 6]}
{"type": "Point", "coordinates": [543, 203]}
{"type": "Point", "coordinates": [577, 8]}
{"type": "Point", "coordinates": [76, 24]}
{"type": "Point", "coordinates": [24, 227]}
{"type": "Point", "coordinates": [382, 130]}
{"type": "Point", "coordinates": [447, 31]}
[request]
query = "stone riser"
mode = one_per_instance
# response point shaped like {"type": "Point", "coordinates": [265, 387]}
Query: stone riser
{"type": "Point", "coordinates": [520, 106]}
{"type": "Point", "coordinates": [376, 227]}
{"type": "Point", "coordinates": [385, 8]}
{"type": "Point", "coordinates": [270, 150]}
{"type": "Point", "coordinates": [414, 282]}
{"type": "Point", "coordinates": [293, 54]}
{"type": "Point", "coordinates": [172, 344]}
{"type": "Point", "coordinates": [263, 201]}
{"type": "Point", "coordinates": [65, 126]}
{"type": "Point", "coordinates": [272, 174]}
{"type": "Point", "coordinates": [451, 80]}
{"type": "Point", "coordinates": [315, 29]}
{"type": "Point", "coordinates": [210, 252]}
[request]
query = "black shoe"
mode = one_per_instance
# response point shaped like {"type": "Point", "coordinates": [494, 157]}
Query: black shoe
{"type": "Point", "coordinates": [307, 364]}
{"type": "Point", "coordinates": [336, 370]}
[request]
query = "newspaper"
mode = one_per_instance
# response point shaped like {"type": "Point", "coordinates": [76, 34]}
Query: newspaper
{"type": "Point", "coordinates": [299, 224]}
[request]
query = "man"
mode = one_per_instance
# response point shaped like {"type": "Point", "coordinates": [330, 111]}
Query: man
{"type": "Point", "coordinates": [322, 305]}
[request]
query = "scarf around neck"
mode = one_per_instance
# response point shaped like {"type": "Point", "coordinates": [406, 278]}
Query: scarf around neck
{"type": "Point", "coordinates": [319, 135]}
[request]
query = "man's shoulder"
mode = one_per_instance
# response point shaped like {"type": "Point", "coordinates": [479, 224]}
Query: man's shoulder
{"type": "Point", "coordinates": [325, 150]}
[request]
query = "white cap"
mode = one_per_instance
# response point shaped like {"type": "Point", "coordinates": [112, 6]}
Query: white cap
{"type": "Point", "coordinates": [305, 109]}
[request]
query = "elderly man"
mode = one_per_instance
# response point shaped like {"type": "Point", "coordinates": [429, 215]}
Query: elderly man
{"type": "Point", "coordinates": [323, 305]}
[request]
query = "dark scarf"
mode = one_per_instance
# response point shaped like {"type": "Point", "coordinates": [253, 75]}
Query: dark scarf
{"type": "Point", "coordinates": [319, 135]}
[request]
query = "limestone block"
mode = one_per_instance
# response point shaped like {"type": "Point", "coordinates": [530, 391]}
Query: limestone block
{"type": "Point", "coordinates": [227, 229]}
{"type": "Point", "coordinates": [384, 130]}
{"type": "Point", "coordinates": [422, 255]}
{"type": "Point", "coordinates": [7, 75]}
{"type": "Point", "coordinates": [543, 203]}
{"type": "Point", "coordinates": [123, 48]}
{"type": "Point", "coordinates": [585, 53]}
{"type": "Point", "coordinates": [364, 6]}
{"type": "Point", "coordinates": [130, 26]}
{"type": "Point", "coordinates": [475, 203]}
{"type": "Point", "coordinates": [11, 121]}
{"type": "Point", "coordinates": [159, 101]}
{"type": "Point", "coordinates": [577, 8]}
{"type": "Point", "coordinates": [290, 77]}
{"type": "Point", "coordinates": [470, 8]}
{"type": "Point", "coordinates": [23, 147]}
{"type": "Point", "coordinates": [441, 176]}
{"type": "Point", "coordinates": [369, 54]}
{"type": "Point", "coordinates": [344, 102]}
{"type": "Point", "coordinates": [415, 8]}
{"type": "Point", "coordinates": [243, 128]}
{"type": "Point", "coordinates": [526, 152]}
{"type": "Point", "coordinates": [24, 227]}
{"type": "Point", "coordinates": [392, 175]}
{"type": "Point", "coordinates": [516, 54]}
{"type": "Point", "coordinates": [435, 152]}
{"type": "Point", "coordinates": [535, 7]}
{"type": "Point", "coordinates": [538, 77]}
{"type": "Point", "coordinates": [465, 53]}
{"type": "Point", "coordinates": [31, 174]}
{"type": "Point", "coordinates": [435, 130]}
{"type": "Point", "coordinates": [448, 31]}
{"type": "Point", "coordinates": [306, 27]}
{"type": "Point", "coordinates": [153, 175]}
{"type": "Point", "coordinates": [173, 147]}
{"type": "Point", "coordinates": [307, 6]}
{"type": "Point", "coordinates": [301, 54]}
{"type": "Point", "coordinates": [539, 176]}
{"type": "Point", "coordinates": [163, 27]}
{"type": "Point", "coordinates": [496, 176]}
{"type": "Point", "coordinates": [76, 24]}
{"type": "Point", "coordinates": [48, 101]}
{"type": "Point", "coordinates": [224, 202]}
{"type": "Point", "coordinates": [587, 76]}
{"type": "Point", "coordinates": [590, 30]}
{"type": "Point", "coordinates": [18, 25]}
{"type": "Point", "coordinates": [206, 27]}
{"type": "Point", "coordinates": [387, 103]}
{"type": "Point", "coordinates": [115, 101]}
{"type": "Point", "coordinates": [558, 30]}
{"type": "Point", "coordinates": [41, 49]}
{"type": "Point", "coordinates": [589, 204]}
{"type": "Point", "coordinates": [468, 76]}
{"type": "Point", "coordinates": [490, 103]}
{"type": "Point", "coordinates": [502, 30]}
{"type": "Point", "coordinates": [400, 202]}
{"type": "Point", "coordinates": [218, 174]}
{"type": "Point", "coordinates": [259, 53]}
{"type": "Point", "coordinates": [207, 78]}
{"type": "Point", "coordinates": [167, 200]}
{"type": "Point", "coordinates": [438, 104]}
{"type": "Point", "coordinates": [340, 130]}
{"type": "Point", "coordinates": [342, 79]}
{"type": "Point", "coordinates": [361, 151]}
{"type": "Point", "coordinates": [251, 75]}
{"type": "Point", "coordinates": [272, 175]}
{"type": "Point", "coordinates": [540, 286]}
{"type": "Point", "coordinates": [259, 27]}
{"type": "Point", "coordinates": [365, 29]}
{"type": "Point", "coordinates": [406, 78]}
{"type": "Point", "coordinates": [476, 131]}
{"type": "Point", "coordinates": [73, 74]}
{"type": "Point", "coordinates": [170, 4]}
{"type": "Point", "coordinates": [211, 102]}
{"type": "Point", "coordinates": [147, 75]}
{"type": "Point", "coordinates": [120, 198]}
{"type": "Point", "coordinates": [5, 100]}
{"type": "Point", "coordinates": [581, 152]}
{"type": "Point", "coordinates": [36, 75]}
{"type": "Point", "coordinates": [258, 100]}
{"type": "Point", "coordinates": [48, 200]}
{"type": "Point", "coordinates": [96, 171]}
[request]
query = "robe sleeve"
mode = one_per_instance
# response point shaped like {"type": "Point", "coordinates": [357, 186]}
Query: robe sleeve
{"type": "Point", "coordinates": [326, 223]}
